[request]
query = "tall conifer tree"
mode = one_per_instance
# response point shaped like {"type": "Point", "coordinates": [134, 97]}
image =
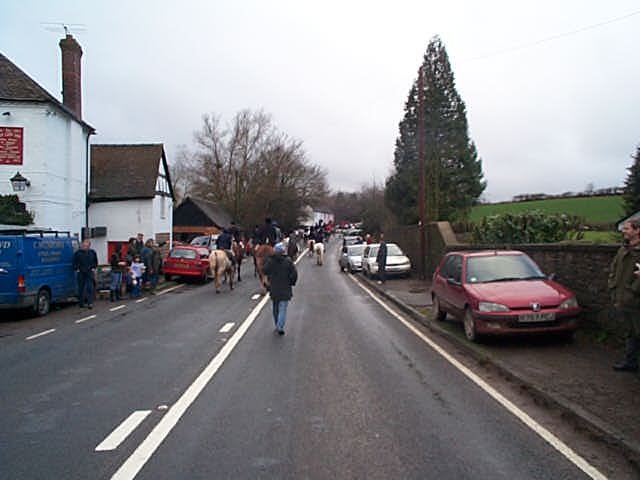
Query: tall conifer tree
{"type": "Point", "coordinates": [454, 178]}
{"type": "Point", "coordinates": [631, 194]}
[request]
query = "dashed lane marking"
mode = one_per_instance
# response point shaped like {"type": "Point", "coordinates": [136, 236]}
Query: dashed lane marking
{"type": "Point", "coordinates": [115, 438]}
{"type": "Point", "coordinates": [256, 296]}
{"type": "Point", "coordinates": [90, 317]}
{"type": "Point", "coordinates": [46, 332]}
{"type": "Point", "coordinates": [140, 300]}
{"type": "Point", "coordinates": [162, 292]}
{"type": "Point", "coordinates": [119, 307]}
{"type": "Point", "coordinates": [549, 437]}
{"type": "Point", "coordinates": [227, 327]}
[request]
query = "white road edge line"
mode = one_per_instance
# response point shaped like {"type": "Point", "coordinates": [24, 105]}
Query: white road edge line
{"type": "Point", "coordinates": [549, 437]}
{"type": "Point", "coordinates": [85, 318]}
{"type": "Point", "coordinates": [226, 327]}
{"type": "Point", "coordinates": [162, 292]}
{"type": "Point", "coordinates": [119, 307]}
{"type": "Point", "coordinates": [46, 332]}
{"type": "Point", "coordinates": [130, 468]}
{"type": "Point", "coordinates": [115, 438]}
{"type": "Point", "coordinates": [140, 300]}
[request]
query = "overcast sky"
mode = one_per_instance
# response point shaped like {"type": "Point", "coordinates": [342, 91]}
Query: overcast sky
{"type": "Point", "coordinates": [547, 116]}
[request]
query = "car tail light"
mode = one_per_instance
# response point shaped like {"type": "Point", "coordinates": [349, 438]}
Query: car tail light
{"type": "Point", "coordinates": [21, 285]}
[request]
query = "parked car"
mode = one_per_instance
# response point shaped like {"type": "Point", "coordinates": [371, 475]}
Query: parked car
{"type": "Point", "coordinates": [208, 241]}
{"type": "Point", "coordinates": [397, 262]}
{"type": "Point", "coordinates": [501, 292]}
{"type": "Point", "coordinates": [187, 262]}
{"type": "Point", "coordinates": [351, 258]}
{"type": "Point", "coordinates": [36, 269]}
{"type": "Point", "coordinates": [351, 240]}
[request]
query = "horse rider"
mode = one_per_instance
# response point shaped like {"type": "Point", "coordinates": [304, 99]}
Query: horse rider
{"type": "Point", "coordinates": [268, 233]}
{"type": "Point", "coordinates": [235, 232]}
{"type": "Point", "coordinates": [224, 243]}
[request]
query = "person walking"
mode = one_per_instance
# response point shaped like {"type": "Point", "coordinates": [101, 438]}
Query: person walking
{"type": "Point", "coordinates": [624, 287]}
{"type": "Point", "coordinates": [117, 266]}
{"type": "Point", "coordinates": [282, 275]}
{"type": "Point", "coordinates": [155, 264]}
{"type": "Point", "coordinates": [381, 260]}
{"type": "Point", "coordinates": [85, 262]}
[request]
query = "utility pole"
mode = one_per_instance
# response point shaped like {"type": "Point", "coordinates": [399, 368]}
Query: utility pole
{"type": "Point", "coordinates": [420, 151]}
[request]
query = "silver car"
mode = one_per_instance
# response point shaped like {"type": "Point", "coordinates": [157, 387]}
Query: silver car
{"type": "Point", "coordinates": [351, 258]}
{"type": "Point", "coordinates": [397, 262]}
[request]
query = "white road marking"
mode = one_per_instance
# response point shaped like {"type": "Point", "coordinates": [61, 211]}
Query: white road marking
{"type": "Point", "coordinates": [119, 307]}
{"type": "Point", "coordinates": [227, 327]}
{"type": "Point", "coordinates": [130, 468]}
{"type": "Point", "coordinates": [162, 292]}
{"type": "Point", "coordinates": [549, 437]}
{"type": "Point", "coordinates": [46, 332]}
{"type": "Point", "coordinates": [256, 296]}
{"type": "Point", "coordinates": [140, 300]}
{"type": "Point", "coordinates": [85, 319]}
{"type": "Point", "coordinates": [118, 436]}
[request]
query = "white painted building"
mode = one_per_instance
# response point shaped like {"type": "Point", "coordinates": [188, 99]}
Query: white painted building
{"type": "Point", "coordinates": [47, 142]}
{"type": "Point", "coordinates": [131, 193]}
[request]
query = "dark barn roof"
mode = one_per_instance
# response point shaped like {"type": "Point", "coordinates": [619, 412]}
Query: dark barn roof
{"type": "Point", "coordinates": [195, 212]}
{"type": "Point", "coordinates": [17, 86]}
{"type": "Point", "coordinates": [124, 172]}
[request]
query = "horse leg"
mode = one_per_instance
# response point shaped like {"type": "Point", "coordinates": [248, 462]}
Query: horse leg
{"type": "Point", "coordinates": [238, 266]}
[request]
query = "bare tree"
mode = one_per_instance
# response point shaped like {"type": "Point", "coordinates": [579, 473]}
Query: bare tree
{"type": "Point", "coordinates": [182, 172]}
{"type": "Point", "coordinates": [253, 170]}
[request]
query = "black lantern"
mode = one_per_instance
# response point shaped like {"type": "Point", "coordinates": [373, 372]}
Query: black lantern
{"type": "Point", "coordinates": [19, 183]}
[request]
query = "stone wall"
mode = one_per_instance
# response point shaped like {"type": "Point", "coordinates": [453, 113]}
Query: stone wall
{"type": "Point", "coordinates": [583, 268]}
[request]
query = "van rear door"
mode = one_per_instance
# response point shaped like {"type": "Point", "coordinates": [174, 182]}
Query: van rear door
{"type": "Point", "coordinates": [10, 246]}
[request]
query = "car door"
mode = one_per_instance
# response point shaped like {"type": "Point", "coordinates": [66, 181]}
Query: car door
{"type": "Point", "coordinates": [456, 297]}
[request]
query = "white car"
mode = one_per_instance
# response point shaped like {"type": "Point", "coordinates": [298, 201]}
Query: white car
{"type": "Point", "coordinates": [397, 262]}
{"type": "Point", "coordinates": [351, 258]}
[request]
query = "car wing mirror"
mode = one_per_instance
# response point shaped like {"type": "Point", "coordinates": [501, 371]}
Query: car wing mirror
{"type": "Point", "coordinates": [552, 276]}
{"type": "Point", "coordinates": [453, 281]}
{"type": "Point", "coordinates": [344, 249]}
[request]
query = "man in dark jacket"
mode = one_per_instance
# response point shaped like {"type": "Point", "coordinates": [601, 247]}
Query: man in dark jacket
{"type": "Point", "coordinates": [224, 243]}
{"type": "Point", "coordinates": [381, 260]}
{"type": "Point", "coordinates": [268, 233]}
{"type": "Point", "coordinates": [85, 262]}
{"type": "Point", "coordinates": [282, 275]}
{"type": "Point", "coordinates": [624, 287]}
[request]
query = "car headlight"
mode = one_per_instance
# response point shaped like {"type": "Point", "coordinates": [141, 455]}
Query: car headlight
{"type": "Point", "coordinates": [570, 303]}
{"type": "Point", "coordinates": [492, 307]}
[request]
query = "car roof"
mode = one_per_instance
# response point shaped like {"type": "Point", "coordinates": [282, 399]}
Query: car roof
{"type": "Point", "coordinates": [486, 253]}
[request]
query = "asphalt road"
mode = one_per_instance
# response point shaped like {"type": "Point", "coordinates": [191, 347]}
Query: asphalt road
{"type": "Point", "coordinates": [348, 392]}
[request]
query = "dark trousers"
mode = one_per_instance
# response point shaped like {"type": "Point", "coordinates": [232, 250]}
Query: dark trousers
{"type": "Point", "coordinates": [85, 288]}
{"type": "Point", "coordinates": [382, 272]}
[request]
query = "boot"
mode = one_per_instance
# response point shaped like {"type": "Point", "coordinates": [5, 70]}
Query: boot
{"type": "Point", "coordinates": [630, 362]}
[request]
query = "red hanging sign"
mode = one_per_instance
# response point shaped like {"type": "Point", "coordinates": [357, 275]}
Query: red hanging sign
{"type": "Point", "coordinates": [11, 142]}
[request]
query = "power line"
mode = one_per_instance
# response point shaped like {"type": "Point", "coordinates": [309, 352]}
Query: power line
{"type": "Point", "coordinates": [554, 37]}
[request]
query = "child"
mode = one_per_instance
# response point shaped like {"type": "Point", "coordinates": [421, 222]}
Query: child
{"type": "Point", "coordinates": [136, 270]}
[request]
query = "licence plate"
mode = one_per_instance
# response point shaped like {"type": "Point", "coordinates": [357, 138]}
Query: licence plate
{"type": "Point", "coordinates": [537, 317]}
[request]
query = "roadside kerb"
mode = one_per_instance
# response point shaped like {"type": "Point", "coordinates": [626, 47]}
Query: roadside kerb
{"type": "Point", "coordinates": [570, 410]}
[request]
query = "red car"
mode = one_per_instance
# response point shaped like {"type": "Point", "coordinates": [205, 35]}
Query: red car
{"type": "Point", "coordinates": [501, 292]}
{"type": "Point", "coordinates": [187, 261]}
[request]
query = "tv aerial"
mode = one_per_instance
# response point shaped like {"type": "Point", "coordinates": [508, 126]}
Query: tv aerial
{"type": "Point", "coordinates": [66, 28]}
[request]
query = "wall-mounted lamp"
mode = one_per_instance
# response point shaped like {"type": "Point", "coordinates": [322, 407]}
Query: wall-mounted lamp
{"type": "Point", "coordinates": [6, 114]}
{"type": "Point", "coordinates": [19, 183]}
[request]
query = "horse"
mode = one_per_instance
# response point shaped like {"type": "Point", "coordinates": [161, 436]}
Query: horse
{"type": "Point", "coordinates": [260, 255]}
{"type": "Point", "coordinates": [319, 251]}
{"type": "Point", "coordinates": [221, 266]}
{"type": "Point", "coordinates": [238, 250]}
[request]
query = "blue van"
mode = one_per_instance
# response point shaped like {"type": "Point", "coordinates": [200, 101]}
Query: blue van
{"type": "Point", "coordinates": [36, 269]}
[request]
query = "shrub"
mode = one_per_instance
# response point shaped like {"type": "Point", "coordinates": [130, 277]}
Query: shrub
{"type": "Point", "coordinates": [527, 227]}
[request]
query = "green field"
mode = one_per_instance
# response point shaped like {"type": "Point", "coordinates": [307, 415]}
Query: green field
{"type": "Point", "coordinates": [595, 210]}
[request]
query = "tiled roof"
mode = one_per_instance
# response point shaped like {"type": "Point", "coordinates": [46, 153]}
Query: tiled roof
{"type": "Point", "coordinates": [122, 172]}
{"type": "Point", "coordinates": [17, 86]}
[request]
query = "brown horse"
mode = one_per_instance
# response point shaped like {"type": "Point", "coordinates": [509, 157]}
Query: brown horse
{"type": "Point", "coordinates": [221, 267]}
{"type": "Point", "coordinates": [238, 250]}
{"type": "Point", "coordinates": [260, 255]}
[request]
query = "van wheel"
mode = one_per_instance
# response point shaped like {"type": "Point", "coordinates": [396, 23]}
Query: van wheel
{"type": "Point", "coordinates": [43, 302]}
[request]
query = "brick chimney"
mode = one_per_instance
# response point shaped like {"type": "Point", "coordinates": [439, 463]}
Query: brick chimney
{"type": "Point", "coordinates": [71, 78]}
